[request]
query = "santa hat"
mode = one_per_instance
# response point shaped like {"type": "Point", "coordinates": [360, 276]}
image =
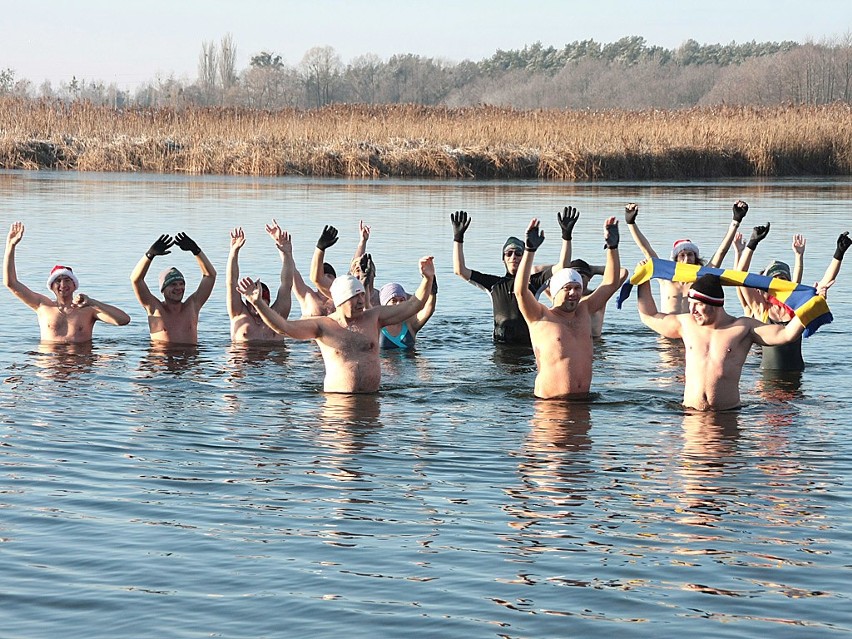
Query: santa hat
{"type": "Point", "coordinates": [59, 271]}
{"type": "Point", "coordinates": [684, 245]}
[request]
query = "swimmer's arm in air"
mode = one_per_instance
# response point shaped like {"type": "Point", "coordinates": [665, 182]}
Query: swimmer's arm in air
{"type": "Point", "coordinates": [530, 308]}
{"type": "Point", "coordinates": [460, 221]}
{"type": "Point", "coordinates": [327, 238]}
{"type": "Point", "coordinates": [630, 213]}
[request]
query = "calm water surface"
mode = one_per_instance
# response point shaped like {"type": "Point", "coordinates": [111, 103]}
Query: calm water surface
{"type": "Point", "coordinates": [218, 492]}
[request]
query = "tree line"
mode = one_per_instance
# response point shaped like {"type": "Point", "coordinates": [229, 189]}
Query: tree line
{"type": "Point", "coordinates": [627, 74]}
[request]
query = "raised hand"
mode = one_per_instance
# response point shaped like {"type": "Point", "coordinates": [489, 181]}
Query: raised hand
{"type": "Point", "coordinates": [16, 233]}
{"type": "Point", "coordinates": [460, 221]}
{"type": "Point", "coordinates": [367, 269]}
{"type": "Point", "coordinates": [238, 238]}
{"type": "Point", "coordinates": [427, 269]}
{"type": "Point", "coordinates": [611, 233]}
{"type": "Point", "coordinates": [630, 213]}
{"type": "Point", "coordinates": [186, 243]}
{"type": "Point", "coordinates": [740, 210]}
{"type": "Point", "coordinates": [843, 243]}
{"type": "Point", "coordinates": [758, 234]}
{"type": "Point", "coordinates": [535, 236]}
{"type": "Point", "coordinates": [799, 244]}
{"type": "Point", "coordinates": [363, 230]}
{"type": "Point", "coordinates": [251, 289]}
{"type": "Point", "coordinates": [567, 219]}
{"type": "Point", "coordinates": [282, 239]}
{"type": "Point", "coordinates": [739, 243]}
{"type": "Point", "coordinates": [327, 238]}
{"type": "Point", "coordinates": [160, 247]}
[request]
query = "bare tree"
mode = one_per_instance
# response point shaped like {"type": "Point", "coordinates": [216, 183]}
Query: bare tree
{"type": "Point", "coordinates": [227, 65]}
{"type": "Point", "coordinates": [321, 67]}
{"type": "Point", "coordinates": [207, 66]}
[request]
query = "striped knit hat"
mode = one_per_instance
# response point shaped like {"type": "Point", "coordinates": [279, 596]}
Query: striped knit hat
{"type": "Point", "coordinates": [707, 289]}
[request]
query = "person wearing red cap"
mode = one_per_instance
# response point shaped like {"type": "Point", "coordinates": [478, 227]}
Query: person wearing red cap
{"type": "Point", "coordinates": [173, 320]}
{"type": "Point", "coordinates": [69, 318]}
{"type": "Point", "coordinates": [246, 325]}
{"type": "Point", "coordinates": [716, 343]}
{"type": "Point", "coordinates": [673, 295]}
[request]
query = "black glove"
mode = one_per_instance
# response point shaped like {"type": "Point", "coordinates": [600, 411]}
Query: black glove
{"type": "Point", "coordinates": [368, 268]}
{"type": "Point", "coordinates": [327, 238]}
{"type": "Point", "coordinates": [160, 247]}
{"type": "Point", "coordinates": [460, 222]}
{"type": "Point", "coordinates": [843, 243]}
{"type": "Point", "coordinates": [535, 236]}
{"type": "Point", "coordinates": [740, 210]}
{"type": "Point", "coordinates": [186, 243]}
{"type": "Point", "coordinates": [567, 219]}
{"type": "Point", "coordinates": [612, 236]}
{"type": "Point", "coordinates": [630, 213]}
{"type": "Point", "coordinates": [757, 236]}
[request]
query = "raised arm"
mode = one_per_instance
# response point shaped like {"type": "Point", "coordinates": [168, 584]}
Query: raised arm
{"type": "Point", "coordinates": [630, 213]}
{"type": "Point", "coordinates": [283, 242]}
{"type": "Point", "coordinates": [327, 239]}
{"type": "Point", "coordinates": [776, 334]}
{"type": "Point", "coordinates": [396, 313]}
{"type": "Point", "coordinates": [739, 212]}
{"type": "Point", "coordinates": [363, 237]}
{"type": "Point", "coordinates": [799, 252]}
{"type": "Point", "coordinates": [665, 324]}
{"type": "Point", "coordinates": [567, 219]}
{"type": "Point", "coordinates": [612, 272]}
{"type": "Point", "coordinates": [137, 278]}
{"type": "Point", "coordinates": [425, 314]}
{"type": "Point", "coordinates": [208, 273]}
{"type": "Point", "coordinates": [10, 275]}
{"type": "Point", "coordinates": [530, 307]}
{"type": "Point", "coordinates": [308, 328]}
{"type": "Point", "coordinates": [232, 274]}
{"type": "Point", "coordinates": [843, 243]}
{"type": "Point", "coordinates": [460, 222]}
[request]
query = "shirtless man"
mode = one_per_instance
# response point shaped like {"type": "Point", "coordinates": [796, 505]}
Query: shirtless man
{"type": "Point", "coordinates": [587, 271]}
{"type": "Point", "coordinates": [509, 325]}
{"type": "Point", "coordinates": [348, 339]}
{"type": "Point", "coordinates": [173, 320]}
{"type": "Point", "coordinates": [246, 324]}
{"type": "Point", "coordinates": [715, 342]}
{"type": "Point", "coordinates": [673, 295]}
{"type": "Point", "coordinates": [562, 335]}
{"type": "Point", "coordinates": [70, 318]}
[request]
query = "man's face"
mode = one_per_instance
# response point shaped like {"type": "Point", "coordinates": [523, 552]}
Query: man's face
{"type": "Point", "coordinates": [63, 286]}
{"type": "Point", "coordinates": [354, 305]}
{"type": "Point", "coordinates": [568, 297]}
{"type": "Point", "coordinates": [703, 314]}
{"type": "Point", "coordinates": [687, 257]}
{"type": "Point", "coordinates": [512, 258]}
{"type": "Point", "coordinates": [174, 291]}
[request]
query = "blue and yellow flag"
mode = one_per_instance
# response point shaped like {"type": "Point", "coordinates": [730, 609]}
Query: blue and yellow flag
{"type": "Point", "coordinates": [803, 301]}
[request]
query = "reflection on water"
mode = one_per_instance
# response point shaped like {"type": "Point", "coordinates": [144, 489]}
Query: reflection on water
{"type": "Point", "coordinates": [213, 484]}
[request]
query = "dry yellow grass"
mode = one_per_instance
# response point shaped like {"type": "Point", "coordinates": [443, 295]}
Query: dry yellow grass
{"type": "Point", "coordinates": [416, 141]}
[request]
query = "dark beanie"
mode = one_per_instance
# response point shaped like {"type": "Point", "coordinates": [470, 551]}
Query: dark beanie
{"type": "Point", "coordinates": [513, 241]}
{"type": "Point", "coordinates": [708, 289]}
{"type": "Point", "coordinates": [582, 267]}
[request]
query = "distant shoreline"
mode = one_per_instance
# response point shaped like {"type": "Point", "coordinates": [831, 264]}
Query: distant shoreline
{"type": "Point", "coordinates": [360, 141]}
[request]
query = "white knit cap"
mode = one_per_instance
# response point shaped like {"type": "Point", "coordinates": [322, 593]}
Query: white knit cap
{"type": "Point", "coordinates": [58, 271]}
{"type": "Point", "coordinates": [562, 277]}
{"type": "Point", "coordinates": [345, 288]}
{"type": "Point", "coordinates": [684, 245]}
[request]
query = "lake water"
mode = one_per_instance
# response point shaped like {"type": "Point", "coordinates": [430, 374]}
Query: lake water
{"type": "Point", "coordinates": [218, 492]}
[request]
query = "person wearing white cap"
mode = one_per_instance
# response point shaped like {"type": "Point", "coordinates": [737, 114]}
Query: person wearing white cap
{"type": "Point", "coordinates": [69, 318]}
{"type": "Point", "coordinates": [562, 335]}
{"type": "Point", "coordinates": [673, 295]}
{"type": "Point", "coordinates": [348, 338]}
{"type": "Point", "coordinates": [173, 320]}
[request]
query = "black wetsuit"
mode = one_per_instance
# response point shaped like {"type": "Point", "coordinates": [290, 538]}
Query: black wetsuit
{"type": "Point", "coordinates": [786, 357]}
{"type": "Point", "coordinates": [510, 327]}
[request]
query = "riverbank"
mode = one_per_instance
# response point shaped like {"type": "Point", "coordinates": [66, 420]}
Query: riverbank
{"type": "Point", "coordinates": [414, 141]}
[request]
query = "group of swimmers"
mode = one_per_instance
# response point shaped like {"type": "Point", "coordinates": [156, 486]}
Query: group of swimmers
{"type": "Point", "coordinates": [350, 321]}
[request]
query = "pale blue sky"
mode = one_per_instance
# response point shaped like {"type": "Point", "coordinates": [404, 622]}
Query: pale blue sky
{"type": "Point", "coordinates": [128, 41]}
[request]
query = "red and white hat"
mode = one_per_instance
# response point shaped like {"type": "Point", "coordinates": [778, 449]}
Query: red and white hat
{"type": "Point", "coordinates": [684, 245]}
{"type": "Point", "coordinates": [58, 271]}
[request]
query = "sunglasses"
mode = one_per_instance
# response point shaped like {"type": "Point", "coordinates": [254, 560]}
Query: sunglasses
{"type": "Point", "coordinates": [512, 252]}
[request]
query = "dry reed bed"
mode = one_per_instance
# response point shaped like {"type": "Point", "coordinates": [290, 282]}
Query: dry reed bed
{"type": "Point", "coordinates": [415, 141]}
